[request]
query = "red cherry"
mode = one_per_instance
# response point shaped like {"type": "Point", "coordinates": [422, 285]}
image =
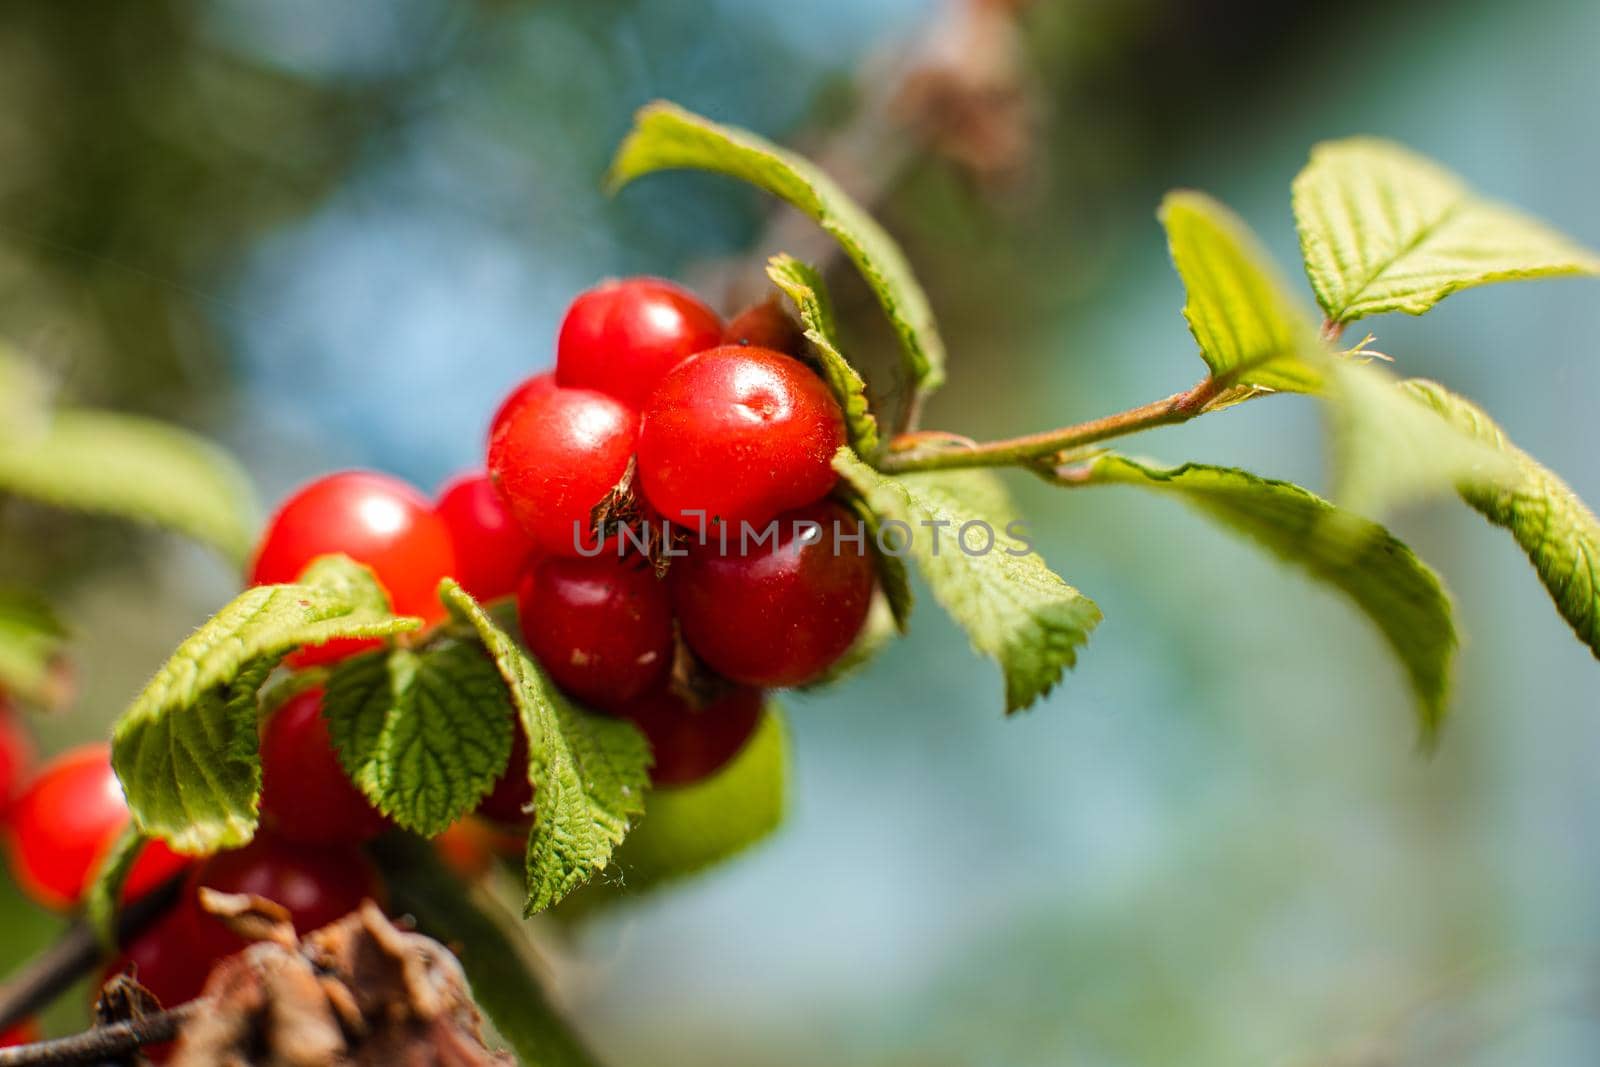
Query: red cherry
{"type": "Point", "coordinates": [316, 885]}
{"type": "Point", "coordinates": [167, 956]}
{"type": "Point", "coordinates": [305, 794]}
{"type": "Point", "coordinates": [491, 549]}
{"type": "Point", "coordinates": [738, 435]}
{"type": "Point", "coordinates": [24, 1033]}
{"type": "Point", "coordinates": [780, 613]}
{"type": "Point", "coordinates": [692, 743]}
{"type": "Point", "coordinates": [602, 627]}
{"type": "Point", "coordinates": [16, 753]}
{"type": "Point", "coordinates": [470, 846]}
{"type": "Point", "coordinates": [766, 325]}
{"type": "Point", "coordinates": [622, 337]}
{"type": "Point", "coordinates": [510, 802]}
{"type": "Point", "coordinates": [527, 389]}
{"type": "Point", "coordinates": [555, 458]}
{"type": "Point", "coordinates": [374, 519]}
{"type": "Point", "coordinates": [65, 820]}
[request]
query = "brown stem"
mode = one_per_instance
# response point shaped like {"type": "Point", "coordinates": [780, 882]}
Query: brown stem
{"type": "Point", "coordinates": [1013, 451]}
{"type": "Point", "coordinates": [75, 954]}
{"type": "Point", "coordinates": [104, 1043]}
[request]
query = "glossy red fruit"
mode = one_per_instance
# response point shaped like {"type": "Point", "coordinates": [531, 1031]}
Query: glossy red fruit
{"type": "Point", "coordinates": [689, 743]}
{"type": "Point", "coordinates": [738, 435]}
{"type": "Point", "coordinates": [766, 325]}
{"type": "Point", "coordinates": [527, 389]}
{"type": "Point", "coordinates": [305, 794]}
{"type": "Point", "coordinates": [16, 753]}
{"type": "Point", "coordinates": [491, 549]}
{"type": "Point", "coordinates": [602, 627]}
{"type": "Point", "coordinates": [374, 519]}
{"type": "Point", "coordinates": [556, 457]}
{"type": "Point", "coordinates": [166, 956]}
{"type": "Point", "coordinates": [622, 337]}
{"type": "Point", "coordinates": [510, 803]}
{"type": "Point", "coordinates": [781, 613]}
{"type": "Point", "coordinates": [470, 846]}
{"type": "Point", "coordinates": [316, 885]}
{"type": "Point", "coordinates": [24, 1033]}
{"type": "Point", "coordinates": [64, 821]}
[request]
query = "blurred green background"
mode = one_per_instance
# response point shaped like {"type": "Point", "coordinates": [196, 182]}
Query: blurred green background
{"type": "Point", "coordinates": [332, 235]}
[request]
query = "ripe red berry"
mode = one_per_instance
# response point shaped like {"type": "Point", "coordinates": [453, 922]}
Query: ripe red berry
{"type": "Point", "coordinates": [305, 794]}
{"type": "Point", "coordinates": [316, 885]}
{"type": "Point", "coordinates": [374, 519]}
{"type": "Point", "coordinates": [738, 435]}
{"type": "Point", "coordinates": [470, 846]}
{"type": "Point", "coordinates": [622, 337]}
{"type": "Point", "coordinates": [24, 1033]}
{"type": "Point", "coordinates": [555, 458]}
{"type": "Point", "coordinates": [527, 389]}
{"type": "Point", "coordinates": [167, 957]}
{"type": "Point", "coordinates": [602, 627]}
{"type": "Point", "coordinates": [510, 802]}
{"type": "Point", "coordinates": [491, 549]}
{"type": "Point", "coordinates": [16, 753]}
{"type": "Point", "coordinates": [65, 820]}
{"type": "Point", "coordinates": [766, 325]}
{"type": "Point", "coordinates": [691, 743]}
{"type": "Point", "coordinates": [779, 613]}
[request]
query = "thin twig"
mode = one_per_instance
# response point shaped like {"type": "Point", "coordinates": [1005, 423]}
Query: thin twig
{"type": "Point", "coordinates": [51, 973]}
{"type": "Point", "coordinates": [104, 1042]}
{"type": "Point", "coordinates": [1179, 407]}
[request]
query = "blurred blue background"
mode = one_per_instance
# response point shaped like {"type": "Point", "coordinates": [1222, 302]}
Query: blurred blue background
{"type": "Point", "coordinates": [334, 235]}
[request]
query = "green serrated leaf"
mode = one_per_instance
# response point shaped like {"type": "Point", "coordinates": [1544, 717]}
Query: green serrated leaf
{"type": "Point", "coordinates": [423, 734]}
{"type": "Point", "coordinates": [803, 285]}
{"type": "Point", "coordinates": [894, 579]}
{"type": "Point", "coordinates": [491, 950]}
{"type": "Point", "coordinates": [1554, 527]}
{"type": "Point", "coordinates": [186, 750]}
{"type": "Point", "coordinates": [31, 643]}
{"type": "Point", "coordinates": [1388, 449]}
{"type": "Point", "coordinates": [666, 137]}
{"type": "Point", "coordinates": [105, 889]}
{"type": "Point", "coordinates": [1384, 229]}
{"type": "Point", "coordinates": [1400, 594]}
{"type": "Point", "coordinates": [687, 829]}
{"type": "Point", "coordinates": [1251, 332]}
{"type": "Point", "coordinates": [134, 468]}
{"type": "Point", "coordinates": [589, 772]}
{"type": "Point", "coordinates": [1014, 609]}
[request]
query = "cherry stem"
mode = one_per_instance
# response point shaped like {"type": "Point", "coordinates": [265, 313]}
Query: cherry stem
{"type": "Point", "coordinates": [77, 952]}
{"type": "Point", "coordinates": [104, 1043]}
{"type": "Point", "coordinates": [1027, 450]}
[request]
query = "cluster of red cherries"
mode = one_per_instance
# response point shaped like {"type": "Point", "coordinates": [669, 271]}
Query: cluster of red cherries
{"type": "Point", "coordinates": [715, 438]}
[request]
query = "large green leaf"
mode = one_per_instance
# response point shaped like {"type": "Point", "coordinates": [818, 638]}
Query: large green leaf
{"type": "Point", "coordinates": [589, 772]}
{"type": "Point", "coordinates": [31, 642]}
{"type": "Point", "coordinates": [666, 137]}
{"type": "Point", "coordinates": [1395, 589]}
{"type": "Point", "coordinates": [186, 751]}
{"type": "Point", "coordinates": [133, 468]}
{"type": "Point", "coordinates": [423, 734]}
{"type": "Point", "coordinates": [1384, 229]}
{"type": "Point", "coordinates": [689, 828]}
{"type": "Point", "coordinates": [1251, 332]}
{"type": "Point", "coordinates": [805, 287]}
{"type": "Point", "coordinates": [1556, 529]}
{"type": "Point", "coordinates": [1013, 608]}
{"type": "Point", "coordinates": [1388, 449]}
{"type": "Point", "coordinates": [493, 953]}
